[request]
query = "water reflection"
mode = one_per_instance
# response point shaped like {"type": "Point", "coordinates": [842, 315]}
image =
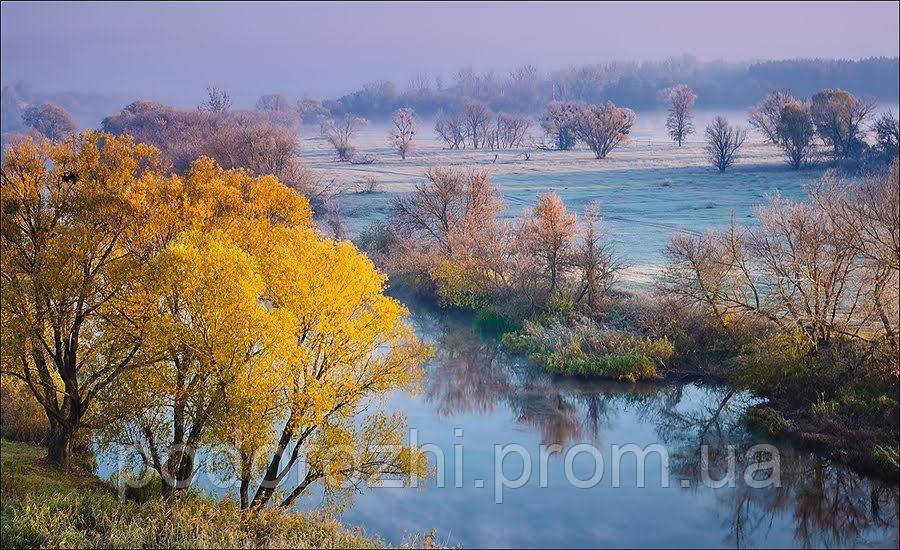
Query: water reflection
{"type": "Point", "coordinates": [472, 383]}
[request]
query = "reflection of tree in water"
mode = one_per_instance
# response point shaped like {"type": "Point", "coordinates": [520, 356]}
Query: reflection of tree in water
{"type": "Point", "coordinates": [466, 376]}
{"type": "Point", "coordinates": [827, 504]}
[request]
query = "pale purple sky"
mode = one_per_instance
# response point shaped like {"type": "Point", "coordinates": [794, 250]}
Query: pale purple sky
{"type": "Point", "coordinates": [172, 51]}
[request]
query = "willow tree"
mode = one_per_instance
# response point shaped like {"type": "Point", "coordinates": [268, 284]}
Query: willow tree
{"type": "Point", "coordinates": [70, 311]}
{"type": "Point", "coordinates": [350, 345]}
{"type": "Point", "coordinates": [259, 325]}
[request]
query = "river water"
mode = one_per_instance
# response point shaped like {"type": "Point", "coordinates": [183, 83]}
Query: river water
{"type": "Point", "coordinates": [475, 397]}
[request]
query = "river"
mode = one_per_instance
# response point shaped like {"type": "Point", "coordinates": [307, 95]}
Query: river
{"type": "Point", "coordinates": [475, 397]}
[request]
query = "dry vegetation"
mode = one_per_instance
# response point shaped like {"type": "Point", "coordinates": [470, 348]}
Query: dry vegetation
{"type": "Point", "coordinates": [47, 507]}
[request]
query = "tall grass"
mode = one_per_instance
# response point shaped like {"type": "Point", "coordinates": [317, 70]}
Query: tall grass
{"type": "Point", "coordinates": [21, 416]}
{"type": "Point", "coordinates": [100, 521]}
{"type": "Point", "coordinates": [45, 506]}
{"type": "Point", "coordinates": [585, 348]}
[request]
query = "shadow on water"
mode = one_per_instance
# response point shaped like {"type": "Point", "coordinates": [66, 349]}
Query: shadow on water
{"type": "Point", "coordinates": [498, 400]}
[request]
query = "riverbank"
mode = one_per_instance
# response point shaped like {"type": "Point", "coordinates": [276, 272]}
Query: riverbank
{"type": "Point", "coordinates": [855, 428]}
{"type": "Point", "coordinates": [45, 506]}
{"type": "Point", "coordinates": [861, 445]}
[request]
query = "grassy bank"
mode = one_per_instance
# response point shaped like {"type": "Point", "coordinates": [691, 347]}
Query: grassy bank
{"type": "Point", "coordinates": [45, 506]}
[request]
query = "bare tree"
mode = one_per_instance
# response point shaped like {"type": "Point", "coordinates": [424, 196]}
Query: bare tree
{"type": "Point", "coordinates": [405, 127]}
{"type": "Point", "coordinates": [786, 122]}
{"type": "Point", "coordinates": [825, 269]}
{"type": "Point", "coordinates": [766, 116]}
{"type": "Point", "coordinates": [679, 122]}
{"type": "Point", "coordinates": [558, 121]}
{"type": "Point", "coordinates": [512, 129]}
{"type": "Point", "coordinates": [218, 100]}
{"type": "Point", "coordinates": [272, 102]}
{"type": "Point", "coordinates": [476, 117]}
{"type": "Point", "coordinates": [696, 272]}
{"type": "Point", "coordinates": [603, 127]}
{"type": "Point", "coordinates": [449, 213]}
{"type": "Point", "coordinates": [866, 217]}
{"type": "Point", "coordinates": [449, 128]}
{"type": "Point", "coordinates": [596, 260]}
{"type": "Point", "coordinates": [887, 135]}
{"type": "Point", "coordinates": [52, 121]}
{"type": "Point", "coordinates": [723, 142]}
{"type": "Point", "coordinates": [339, 134]}
{"type": "Point", "coordinates": [839, 117]}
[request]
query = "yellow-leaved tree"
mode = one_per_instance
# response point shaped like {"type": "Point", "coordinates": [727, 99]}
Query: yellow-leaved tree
{"type": "Point", "coordinates": [265, 332]}
{"type": "Point", "coordinates": [350, 344]}
{"type": "Point", "coordinates": [173, 313]}
{"type": "Point", "coordinates": [73, 320]}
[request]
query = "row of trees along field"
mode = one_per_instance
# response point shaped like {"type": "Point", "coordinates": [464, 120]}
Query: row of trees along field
{"type": "Point", "coordinates": [173, 310]}
{"type": "Point", "coordinates": [264, 140]}
{"type": "Point", "coordinates": [832, 118]}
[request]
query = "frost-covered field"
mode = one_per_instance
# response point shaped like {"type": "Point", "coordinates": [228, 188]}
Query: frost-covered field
{"type": "Point", "coordinates": [647, 188]}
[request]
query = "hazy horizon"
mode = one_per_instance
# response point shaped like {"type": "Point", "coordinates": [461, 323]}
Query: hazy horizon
{"type": "Point", "coordinates": [171, 52]}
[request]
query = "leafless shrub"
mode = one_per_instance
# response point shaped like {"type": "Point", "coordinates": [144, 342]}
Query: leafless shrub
{"type": "Point", "coordinates": [362, 159]}
{"type": "Point", "coordinates": [367, 185]}
{"type": "Point", "coordinates": [182, 135]}
{"type": "Point", "coordinates": [339, 134]}
{"type": "Point", "coordinates": [334, 220]}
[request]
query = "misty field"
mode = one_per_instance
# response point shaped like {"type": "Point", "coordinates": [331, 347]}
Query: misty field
{"type": "Point", "coordinates": [647, 188]}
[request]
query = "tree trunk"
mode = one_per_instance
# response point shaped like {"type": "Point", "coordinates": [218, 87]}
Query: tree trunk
{"type": "Point", "coordinates": [59, 443]}
{"type": "Point", "coordinates": [245, 492]}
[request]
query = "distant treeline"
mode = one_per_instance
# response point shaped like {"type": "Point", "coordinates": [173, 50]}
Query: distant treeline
{"type": "Point", "coordinates": [634, 84]}
{"type": "Point", "coordinates": [86, 108]}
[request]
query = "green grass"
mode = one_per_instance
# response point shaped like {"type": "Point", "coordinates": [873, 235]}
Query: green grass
{"type": "Point", "coordinates": [629, 367]}
{"type": "Point", "coordinates": [45, 506]}
{"type": "Point", "coordinates": [583, 347]}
